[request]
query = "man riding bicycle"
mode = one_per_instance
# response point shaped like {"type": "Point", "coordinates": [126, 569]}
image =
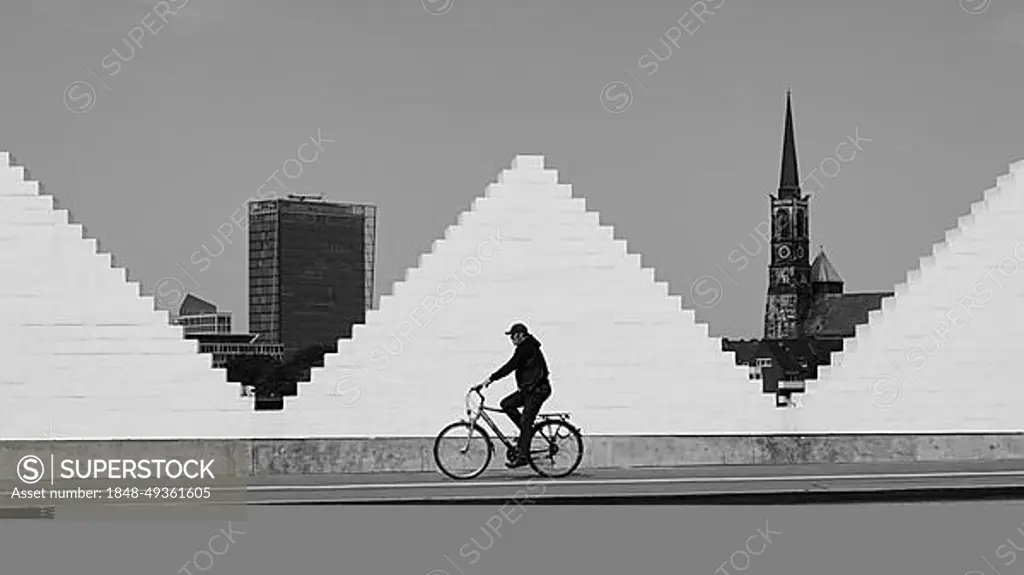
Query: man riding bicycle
{"type": "Point", "coordinates": [533, 383]}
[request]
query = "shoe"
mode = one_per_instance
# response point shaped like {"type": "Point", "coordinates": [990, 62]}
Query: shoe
{"type": "Point", "coordinates": [518, 462]}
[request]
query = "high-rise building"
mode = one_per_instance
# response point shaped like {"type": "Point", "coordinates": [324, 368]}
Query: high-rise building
{"type": "Point", "coordinates": [310, 270]}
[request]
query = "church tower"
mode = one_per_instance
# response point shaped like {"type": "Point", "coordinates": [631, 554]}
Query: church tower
{"type": "Point", "coordinates": [789, 270]}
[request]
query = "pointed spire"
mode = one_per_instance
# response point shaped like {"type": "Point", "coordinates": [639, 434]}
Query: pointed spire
{"type": "Point", "coordinates": [822, 270]}
{"type": "Point", "coordinates": [789, 182]}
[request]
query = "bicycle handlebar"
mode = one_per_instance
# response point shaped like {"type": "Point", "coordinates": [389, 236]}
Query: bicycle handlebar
{"type": "Point", "coordinates": [470, 409]}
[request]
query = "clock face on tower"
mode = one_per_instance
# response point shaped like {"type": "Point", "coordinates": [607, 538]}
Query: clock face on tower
{"type": "Point", "coordinates": [799, 252]}
{"type": "Point", "coordinates": [783, 252]}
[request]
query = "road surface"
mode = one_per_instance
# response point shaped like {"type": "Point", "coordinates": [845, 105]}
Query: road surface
{"type": "Point", "coordinates": [698, 484]}
{"type": "Point", "coordinates": [350, 524]}
{"type": "Point", "coordinates": [949, 538]}
{"type": "Point", "coordinates": [732, 484]}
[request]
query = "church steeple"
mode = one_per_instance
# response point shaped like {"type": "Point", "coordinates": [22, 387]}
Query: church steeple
{"type": "Point", "coordinates": [789, 270]}
{"type": "Point", "coordinates": [789, 182]}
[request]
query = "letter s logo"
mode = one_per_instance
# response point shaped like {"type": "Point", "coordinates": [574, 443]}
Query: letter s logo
{"type": "Point", "coordinates": [76, 91]}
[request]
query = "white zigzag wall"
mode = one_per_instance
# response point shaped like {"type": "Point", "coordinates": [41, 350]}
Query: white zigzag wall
{"type": "Point", "coordinates": [625, 357]}
{"type": "Point", "coordinates": [84, 354]}
{"type": "Point", "coordinates": [944, 353]}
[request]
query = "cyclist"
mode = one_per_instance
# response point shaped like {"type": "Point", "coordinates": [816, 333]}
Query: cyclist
{"type": "Point", "coordinates": [532, 379]}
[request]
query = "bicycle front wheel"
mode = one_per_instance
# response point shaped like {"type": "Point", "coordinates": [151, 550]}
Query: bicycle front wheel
{"type": "Point", "coordinates": [463, 450]}
{"type": "Point", "coordinates": [556, 448]}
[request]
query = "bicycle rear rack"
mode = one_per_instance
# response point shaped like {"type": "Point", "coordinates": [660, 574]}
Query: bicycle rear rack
{"type": "Point", "coordinates": [561, 415]}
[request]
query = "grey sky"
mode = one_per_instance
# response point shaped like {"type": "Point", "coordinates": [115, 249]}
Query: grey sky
{"type": "Point", "coordinates": [424, 110]}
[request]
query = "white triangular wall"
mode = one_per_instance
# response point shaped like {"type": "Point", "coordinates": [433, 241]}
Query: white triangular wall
{"type": "Point", "coordinates": [86, 355]}
{"type": "Point", "coordinates": [625, 357]}
{"type": "Point", "coordinates": [925, 362]}
{"type": "Point", "coordinates": [83, 352]}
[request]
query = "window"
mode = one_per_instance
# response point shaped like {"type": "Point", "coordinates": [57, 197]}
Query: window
{"type": "Point", "coordinates": [764, 362]}
{"type": "Point", "coordinates": [782, 224]}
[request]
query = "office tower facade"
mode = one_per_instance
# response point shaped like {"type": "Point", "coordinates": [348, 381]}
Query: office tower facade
{"type": "Point", "coordinates": [310, 270]}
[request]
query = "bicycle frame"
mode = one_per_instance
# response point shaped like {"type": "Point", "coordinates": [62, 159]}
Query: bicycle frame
{"type": "Point", "coordinates": [482, 414]}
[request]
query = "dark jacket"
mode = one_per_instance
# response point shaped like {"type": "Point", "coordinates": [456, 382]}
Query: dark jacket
{"type": "Point", "coordinates": [528, 363]}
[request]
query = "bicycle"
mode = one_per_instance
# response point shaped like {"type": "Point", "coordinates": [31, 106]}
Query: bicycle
{"type": "Point", "coordinates": [547, 430]}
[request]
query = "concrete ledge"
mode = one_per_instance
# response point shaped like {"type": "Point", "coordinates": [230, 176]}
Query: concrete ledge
{"type": "Point", "coordinates": [339, 456]}
{"type": "Point", "coordinates": [329, 456]}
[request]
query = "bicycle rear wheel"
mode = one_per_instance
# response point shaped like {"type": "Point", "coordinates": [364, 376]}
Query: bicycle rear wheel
{"type": "Point", "coordinates": [556, 448]}
{"type": "Point", "coordinates": [463, 450]}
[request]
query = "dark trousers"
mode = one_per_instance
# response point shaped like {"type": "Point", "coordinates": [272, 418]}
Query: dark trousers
{"type": "Point", "coordinates": [530, 401]}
